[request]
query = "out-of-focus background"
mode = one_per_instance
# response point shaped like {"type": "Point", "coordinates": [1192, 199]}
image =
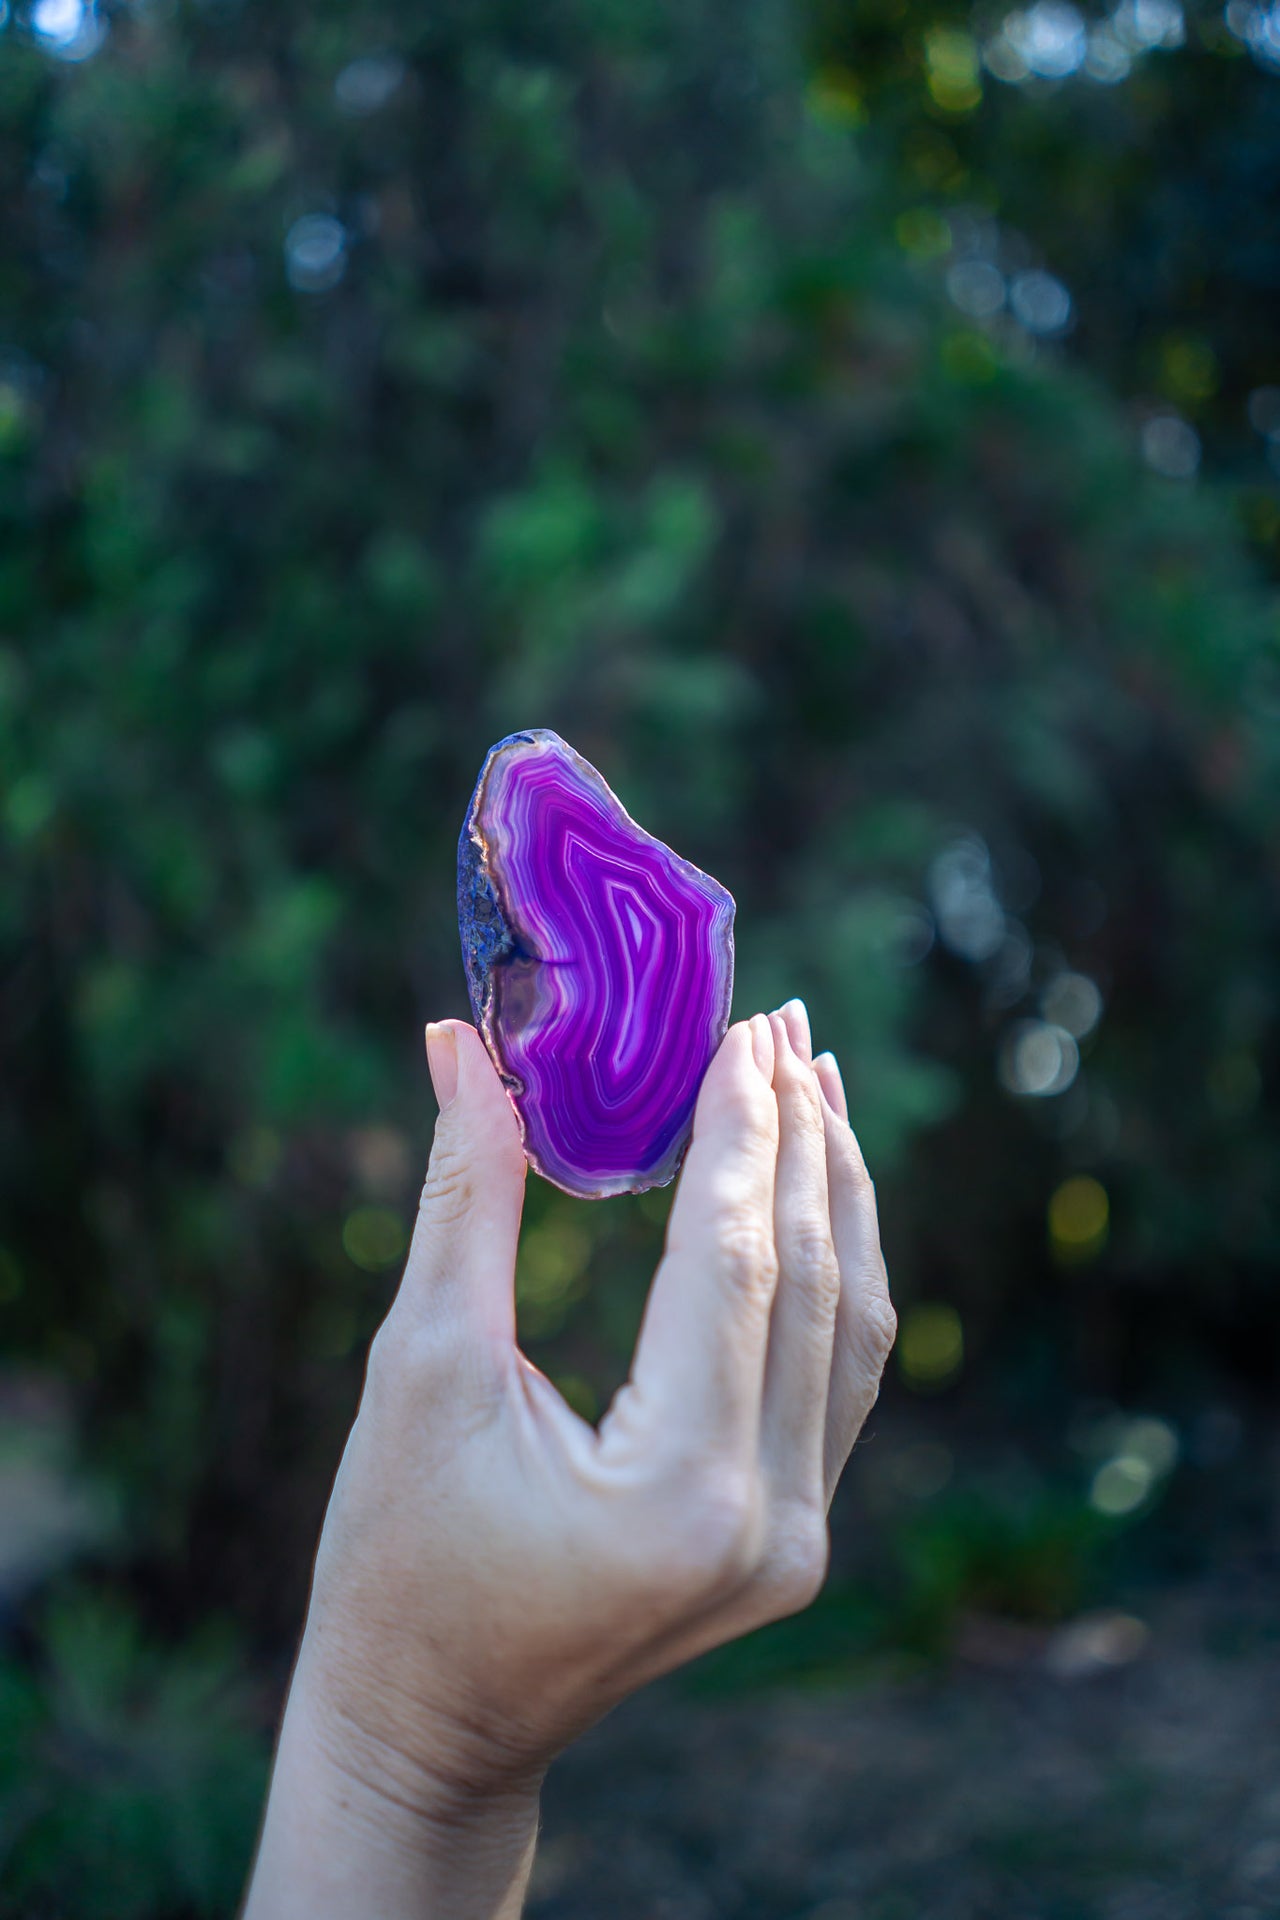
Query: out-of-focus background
{"type": "Point", "coordinates": [856, 427]}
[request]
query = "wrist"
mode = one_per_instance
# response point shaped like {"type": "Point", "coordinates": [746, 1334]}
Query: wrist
{"type": "Point", "coordinates": [352, 1824]}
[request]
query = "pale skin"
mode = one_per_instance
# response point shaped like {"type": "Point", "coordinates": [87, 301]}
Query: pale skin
{"type": "Point", "coordinates": [494, 1574]}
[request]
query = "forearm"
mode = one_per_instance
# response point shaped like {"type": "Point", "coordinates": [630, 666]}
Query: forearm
{"type": "Point", "coordinates": [494, 1573]}
{"type": "Point", "coordinates": [337, 1842]}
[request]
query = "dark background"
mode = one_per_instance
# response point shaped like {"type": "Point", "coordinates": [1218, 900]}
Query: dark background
{"type": "Point", "coordinates": [857, 429]}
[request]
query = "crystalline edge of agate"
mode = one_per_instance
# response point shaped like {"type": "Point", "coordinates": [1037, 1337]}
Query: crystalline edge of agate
{"type": "Point", "coordinates": [488, 939]}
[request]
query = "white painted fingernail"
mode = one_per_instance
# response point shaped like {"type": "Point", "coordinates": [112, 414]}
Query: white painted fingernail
{"type": "Point", "coordinates": [442, 1062]}
{"type": "Point", "coordinates": [796, 1015]}
{"type": "Point", "coordinates": [831, 1083]}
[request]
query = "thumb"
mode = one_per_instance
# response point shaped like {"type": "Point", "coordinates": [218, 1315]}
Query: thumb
{"type": "Point", "coordinates": [462, 1262]}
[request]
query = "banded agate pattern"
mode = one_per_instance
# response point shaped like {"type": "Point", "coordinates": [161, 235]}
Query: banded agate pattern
{"type": "Point", "coordinates": [599, 964]}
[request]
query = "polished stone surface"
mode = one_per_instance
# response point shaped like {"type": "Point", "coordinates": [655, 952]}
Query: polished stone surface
{"type": "Point", "coordinates": [599, 963]}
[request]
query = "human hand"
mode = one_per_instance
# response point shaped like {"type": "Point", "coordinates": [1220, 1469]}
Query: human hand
{"type": "Point", "coordinates": [494, 1574]}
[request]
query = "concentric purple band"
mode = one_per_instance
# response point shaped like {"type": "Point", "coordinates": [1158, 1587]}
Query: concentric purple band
{"type": "Point", "coordinates": [600, 965]}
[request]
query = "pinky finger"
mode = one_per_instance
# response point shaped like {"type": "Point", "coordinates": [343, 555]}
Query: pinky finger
{"type": "Point", "coordinates": [865, 1320]}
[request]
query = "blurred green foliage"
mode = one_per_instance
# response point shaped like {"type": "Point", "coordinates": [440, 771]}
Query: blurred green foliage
{"type": "Point", "coordinates": [130, 1775]}
{"type": "Point", "coordinates": [376, 380]}
{"type": "Point", "coordinates": [1029, 1554]}
{"type": "Point", "coordinates": [1128, 149]}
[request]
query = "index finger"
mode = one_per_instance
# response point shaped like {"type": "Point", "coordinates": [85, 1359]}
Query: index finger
{"type": "Point", "coordinates": [698, 1372]}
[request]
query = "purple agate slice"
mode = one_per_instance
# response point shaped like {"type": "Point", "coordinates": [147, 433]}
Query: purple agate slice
{"type": "Point", "coordinates": [600, 968]}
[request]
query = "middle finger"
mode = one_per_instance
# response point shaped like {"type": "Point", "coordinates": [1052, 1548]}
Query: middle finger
{"type": "Point", "coordinates": [802, 1325]}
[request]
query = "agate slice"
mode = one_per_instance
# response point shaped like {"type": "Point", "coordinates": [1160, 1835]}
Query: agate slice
{"type": "Point", "coordinates": [600, 968]}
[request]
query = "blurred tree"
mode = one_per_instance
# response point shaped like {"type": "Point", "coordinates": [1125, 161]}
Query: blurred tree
{"type": "Point", "coordinates": [1105, 174]}
{"type": "Point", "coordinates": [374, 382]}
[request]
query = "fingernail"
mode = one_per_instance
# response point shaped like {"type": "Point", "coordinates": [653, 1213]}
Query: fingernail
{"type": "Point", "coordinates": [762, 1045]}
{"type": "Point", "coordinates": [832, 1084]}
{"type": "Point", "coordinates": [442, 1063]}
{"type": "Point", "coordinates": [796, 1015]}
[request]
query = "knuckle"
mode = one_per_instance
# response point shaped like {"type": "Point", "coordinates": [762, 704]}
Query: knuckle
{"type": "Point", "coordinates": [812, 1259]}
{"type": "Point", "coordinates": [716, 1541]}
{"type": "Point", "coordinates": [881, 1323]}
{"type": "Point", "coordinates": [808, 1111]}
{"type": "Point", "coordinates": [748, 1258]}
{"type": "Point", "coordinates": [863, 1183]}
{"type": "Point", "coordinates": [758, 1107]}
{"type": "Point", "coordinates": [743, 1112]}
{"type": "Point", "coordinates": [758, 1121]}
{"type": "Point", "coordinates": [870, 1344]}
{"type": "Point", "coordinates": [856, 1173]}
{"type": "Point", "coordinates": [795, 1567]}
{"type": "Point", "coordinates": [448, 1193]}
{"type": "Point", "coordinates": [405, 1361]}
{"type": "Point", "coordinates": [728, 1518]}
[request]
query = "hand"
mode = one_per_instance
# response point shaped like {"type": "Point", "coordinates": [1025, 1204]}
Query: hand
{"type": "Point", "coordinates": [494, 1574]}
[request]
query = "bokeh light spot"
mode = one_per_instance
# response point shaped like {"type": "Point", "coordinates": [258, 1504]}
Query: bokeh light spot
{"type": "Point", "coordinates": [1153, 1440]}
{"type": "Point", "coordinates": [57, 21]}
{"type": "Point", "coordinates": [366, 84]}
{"type": "Point", "coordinates": [969, 359]}
{"type": "Point", "coordinates": [315, 253]}
{"type": "Point", "coordinates": [1037, 1059]}
{"type": "Point", "coordinates": [1047, 40]}
{"type": "Point", "coordinates": [382, 1160]}
{"type": "Point", "coordinates": [1142, 1452]}
{"type": "Point", "coordinates": [1189, 368]}
{"type": "Point", "coordinates": [69, 29]}
{"type": "Point", "coordinates": [1108, 60]}
{"type": "Point", "coordinates": [930, 1345]}
{"type": "Point", "coordinates": [1079, 1217]}
{"type": "Point", "coordinates": [374, 1238]}
{"type": "Point", "coordinates": [551, 1259]}
{"type": "Point", "coordinates": [976, 287]}
{"type": "Point", "coordinates": [333, 1329]}
{"type": "Point", "coordinates": [1144, 24]}
{"type": "Point", "coordinates": [922, 233]}
{"type": "Point", "coordinates": [952, 72]}
{"type": "Point", "coordinates": [1121, 1485]}
{"type": "Point", "coordinates": [1258, 27]}
{"type": "Point", "coordinates": [551, 1274]}
{"type": "Point", "coordinates": [1039, 302]}
{"type": "Point", "coordinates": [834, 95]}
{"type": "Point", "coordinates": [1096, 1643]}
{"type": "Point", "coordinates": [910, 934]}
{"type": "Point", "coordinates": [1171, 446]}
{"type": "Point", "coordinates": [1074, 1002]}
{"type": "Point", "coordinates": [962, 892]}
